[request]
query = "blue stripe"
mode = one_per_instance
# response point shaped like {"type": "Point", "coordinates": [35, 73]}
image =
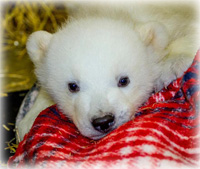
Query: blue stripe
{"type": "Point", "coordinates": [196, 65]}
{"type": "Point", "coordinates": [179, 124]}
{"type": "Point", "coordinates": [54, 111]}
{"type": "Point", "coordinates": [157, 110]}
{"type": "Point", "coordinates": [178, 95]}
{"type": "Point", "coordinates": [180, 117]}
{"type": "Point", "coordinates": [189, 75]}
{"type": "Point", "coordinates": [192, 90]}
{"type": "Point", "coordinates": [180, 110]}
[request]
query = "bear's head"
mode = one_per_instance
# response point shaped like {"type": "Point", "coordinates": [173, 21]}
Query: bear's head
{"type": "Point", "coordinates": [98, 71]}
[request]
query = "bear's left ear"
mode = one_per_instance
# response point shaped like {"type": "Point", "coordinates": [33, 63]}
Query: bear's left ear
{"type": "Point", "coordinates": [37, 45]}
{"type": "Point", "coordinates": [154, 34]}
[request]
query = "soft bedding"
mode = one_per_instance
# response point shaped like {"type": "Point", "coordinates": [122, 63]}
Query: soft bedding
{"type": "Point", "coordinates": [164, 134]}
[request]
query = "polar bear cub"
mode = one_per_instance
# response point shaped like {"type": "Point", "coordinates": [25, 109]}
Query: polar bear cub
{"type": "Point", "coordinates": [101, 66]}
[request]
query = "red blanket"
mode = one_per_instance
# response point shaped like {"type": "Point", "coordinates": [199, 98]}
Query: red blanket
{"type": "Point", "coordinates": [164, 134]}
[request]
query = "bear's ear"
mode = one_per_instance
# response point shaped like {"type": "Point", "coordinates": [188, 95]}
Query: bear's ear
{"type": "Point", "coordinates": [37, 45]}
{"type": "Point", "coordinates": [154, 34]}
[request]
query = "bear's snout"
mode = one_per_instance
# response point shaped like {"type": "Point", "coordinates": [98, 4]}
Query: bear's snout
{"type": "Point", "coordinates": [103, 124]}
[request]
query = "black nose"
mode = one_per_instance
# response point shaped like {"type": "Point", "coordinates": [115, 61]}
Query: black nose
{"type": "Point", "coordinates": [103, 124]}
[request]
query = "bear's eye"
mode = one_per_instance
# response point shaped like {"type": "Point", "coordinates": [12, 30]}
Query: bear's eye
{"type": "Point", "coordinates": [73, 87]}
{"type": "Point", "coordinates": [123, 82]}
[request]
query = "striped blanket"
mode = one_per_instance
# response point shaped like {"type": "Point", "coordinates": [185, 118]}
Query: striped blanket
{"type": "Point", "coordinates": [164, 134]}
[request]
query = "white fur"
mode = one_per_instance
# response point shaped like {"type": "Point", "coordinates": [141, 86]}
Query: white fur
{"type": "Point", "coordinates": [42, 101]}
{"type": "Point", "coordinates": [99, 45]}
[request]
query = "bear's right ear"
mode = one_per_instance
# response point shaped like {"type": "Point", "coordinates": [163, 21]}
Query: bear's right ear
{"type": "Point", "coordinates": [153, 34]}
{"type": "Point", "coordinates": [37, 45]}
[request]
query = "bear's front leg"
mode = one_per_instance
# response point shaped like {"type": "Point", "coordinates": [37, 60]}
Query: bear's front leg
{"type": "Point", "coordinates": [176, 62]}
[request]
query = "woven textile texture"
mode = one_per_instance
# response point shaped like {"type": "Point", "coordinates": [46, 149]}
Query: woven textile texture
{"type": "Point", "coordinates": [164, 134]}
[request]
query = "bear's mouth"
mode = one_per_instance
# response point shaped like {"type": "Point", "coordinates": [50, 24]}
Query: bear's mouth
{"type": "Point", "coordinates": [97, 137]}
{"type": "Point", "coordinates": [102, 134]}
